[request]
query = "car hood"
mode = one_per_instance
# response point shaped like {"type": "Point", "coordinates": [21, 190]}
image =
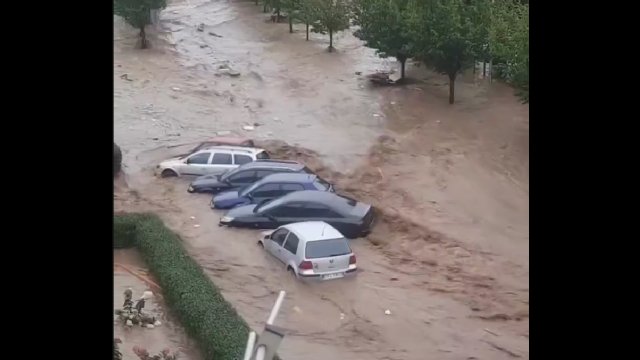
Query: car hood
{"type": "Point", "coordinates": [226, 196]}
{"type": "Point", "coordinates": [209, 181]}
{"type": "Point", "coordinates": [171, 162]}
{"type": "Point", "coordinates": [241, 211]}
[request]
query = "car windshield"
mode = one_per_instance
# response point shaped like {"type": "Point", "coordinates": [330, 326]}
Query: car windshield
{"type": "Point", "coordinates": [327, 248]}
{"type": "Point", "coordinates": [249, 188]}
{"type": "Point", "coordinates": [228, 173]}
{"type": "Point", "coordinates": [269, 204]}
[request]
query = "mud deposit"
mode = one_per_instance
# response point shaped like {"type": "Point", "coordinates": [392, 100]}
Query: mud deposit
{"type": "Point", "coordinates": [449, 256]}
{"type": "Point", "coordinates": [168, 335]}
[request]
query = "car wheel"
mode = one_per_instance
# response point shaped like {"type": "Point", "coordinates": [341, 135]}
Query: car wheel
{"type": "Point", "coordinates": [292, 272]}
{"type": "Point", "coordinates": [261, 244]}
{"type": "Point", "coordinates": [168, 173]}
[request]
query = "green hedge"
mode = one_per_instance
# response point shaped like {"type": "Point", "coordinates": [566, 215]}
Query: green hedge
{"type": "Point", "coordinates": [208, 318]}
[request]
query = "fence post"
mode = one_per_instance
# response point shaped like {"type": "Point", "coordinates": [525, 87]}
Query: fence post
{"type": "Point", "coordinates": [271, 337]}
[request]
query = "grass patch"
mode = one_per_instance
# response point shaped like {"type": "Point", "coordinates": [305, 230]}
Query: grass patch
{"type": "Point", "coordinates": [207, 317]}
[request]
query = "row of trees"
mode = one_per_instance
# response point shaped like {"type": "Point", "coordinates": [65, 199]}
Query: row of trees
{"type": "Point", "coordinates": [449, 36]}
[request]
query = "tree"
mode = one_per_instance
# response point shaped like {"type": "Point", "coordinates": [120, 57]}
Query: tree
{"type": "Point", "coordinates": [307, 13]}
{"type": "Point", "coordinates": [446, 34]}
{"type": "Point", "coordinates": [383, 28]}
{"type": "Point", "coordinates": [509, 38]}
{"type": "Point", "coordinates": [292, 7]}
{"type": "Point", "coordinates": [138, 14]}
{"type": "Point", "coordinates": [331, 16]}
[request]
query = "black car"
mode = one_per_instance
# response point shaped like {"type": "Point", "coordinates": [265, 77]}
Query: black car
{"type": "Point", "coordinates": [352, 218]}
{"type": "Point", "coordinates": [244, 175]}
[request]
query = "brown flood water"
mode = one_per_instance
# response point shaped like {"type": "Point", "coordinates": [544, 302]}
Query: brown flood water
{"type": "Point", "coordinates": [449, 257]}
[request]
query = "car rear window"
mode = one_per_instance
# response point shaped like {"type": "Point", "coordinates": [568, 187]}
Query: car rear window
{"type": "Point", "coordinates": [262, 155]}
{"type": "Point", "coordinates": [321, 184]}
{"type": "Point", "coordinates": [327, 248]}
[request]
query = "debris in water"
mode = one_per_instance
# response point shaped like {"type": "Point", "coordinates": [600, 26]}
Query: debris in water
{"type": "Point", "coordinates": [376, 115]}
{"type": "Point", "coordinates": [193, 218]}
{"type": "Point", "coordinates": [200, 27]}
{"type": "Point", "coordinates": [342, 316]}
{"type": "Point", "coordinates": [150, 326]}
{"type": "Point", "coordinates": [387, 312]}
{"type": "Point", "coordinates": [248, 127]}
{"type": "Point", "coordinates": [196, 225]}
{"type": "Point", "coordinates": [297, 309]}
{"type": "Point", "coordinates": [125, 77]}
{"type": "Point", "coordinates": [275, 118]}
{"type": "Point", "coordinates": [214, 34]}
{"type": "Point", "coordinates": [202, 46]}
{"type": "Point", "coordinates": [490, 332]}
{"type": "Point", "coordinates": [222, 133]}
{"type": "Point", "coordinates": [133, 315]}
{"type": "Point", "coordinates": [393, 103]}
{"type": "Point", "coordinates": [155, 138]}
{"type": "Point", "coordinates": [175, 88]}
{"type": "Point", "coordinates": [358, 72]}
{"type": "Point", "coordinates": [438, 121]}
{"type": "Point", "coordinates": [256, 124]}
{"type": "Point", "coordinates": [394, 279]}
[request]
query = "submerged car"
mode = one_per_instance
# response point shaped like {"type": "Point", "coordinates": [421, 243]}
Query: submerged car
{"type": "Point", "coordinates": [211, 160]}
{"type": "Point", "coordinates": [245, 175]}
{"type": "Point", "coordinates": [311, 250]}
{"type": "Point", "coordinates": [352, 218]}
{"type": "Point", "coordinates": [270, 187]}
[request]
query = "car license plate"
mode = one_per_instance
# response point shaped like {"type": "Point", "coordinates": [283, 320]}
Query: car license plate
{"type": "Point", "coordinates": [332, 276]}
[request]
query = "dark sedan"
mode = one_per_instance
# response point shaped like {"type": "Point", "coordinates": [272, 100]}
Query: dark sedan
{"type": "Point", "coordinates": [352, 218]}
{"type": "Point", "coordinates": [244, 175]}
{"type": "Point", "coordinates": [270, 187]}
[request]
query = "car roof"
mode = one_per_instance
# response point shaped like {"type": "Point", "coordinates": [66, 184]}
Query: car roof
{"type": "Point", "coordinates": [289, 177]}
{"type": "Point", "coordinates": [238, 149]}
{"type": "Point", "coordinates": [314, 231]}
{"type": "Point", "coordinates": [337, 202]}
{"type": "Point", "coordinates": [273, 164]}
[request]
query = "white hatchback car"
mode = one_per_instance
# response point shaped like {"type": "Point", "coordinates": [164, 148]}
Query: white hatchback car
{"type": "Point", "coordinates": [211, 160]}
{"type": "Point", "coordinates": [311, 250]}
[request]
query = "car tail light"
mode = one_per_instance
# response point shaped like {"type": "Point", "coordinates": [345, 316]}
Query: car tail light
{"type": "Point", "coordinates": [352, 259]}
{"type": "Point", "coordinates": [306, 265]}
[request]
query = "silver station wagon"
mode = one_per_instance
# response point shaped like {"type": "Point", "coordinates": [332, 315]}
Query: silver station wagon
{"type": "Point", "coordinates": [311, 250]}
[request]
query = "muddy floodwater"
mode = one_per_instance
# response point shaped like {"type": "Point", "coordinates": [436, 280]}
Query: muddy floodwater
{"type": "Point", "coordinates": [449, 256]}
{"type": "Point", "coordinates": [129, 272]}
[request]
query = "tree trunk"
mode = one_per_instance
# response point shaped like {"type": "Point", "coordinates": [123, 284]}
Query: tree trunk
{"type": "Point", "coordinates": [307, 31]}
{"type": "Point", "coordinates": [330, 40]}
{"type": "Point", "coordinates": [403, 61]}
{"type": "Point", "coordinates": [278, 15]}
{"type": "Point", "coordinates": [256, 2]}
{"type": "Point", "coordinates": [475, 63]}
{"type": "Point", "coordinates": [452, 88]}
{"type": "Point", "coordinates": [264, 7]}
{"type": "Point", "coordinates": [143, 38]}
{"type": "Point", "coordinates": [290, 24]}
{"type": "Point", "coordinates": [484, 69]}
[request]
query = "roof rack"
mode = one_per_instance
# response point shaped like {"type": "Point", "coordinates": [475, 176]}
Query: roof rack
{"type": "Point", "coordinates": [277, 160]}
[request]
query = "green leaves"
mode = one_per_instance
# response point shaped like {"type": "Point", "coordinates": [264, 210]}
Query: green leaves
{"type": "Point", "coordinates": [202, 310]}
{"type": "Point", "coordinates": [137, 12]}
{"type": "Point", "coordinates": [331, 16]}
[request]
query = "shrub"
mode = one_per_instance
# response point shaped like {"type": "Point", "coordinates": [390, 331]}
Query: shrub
{"type": "Point", "coordinates": [207, 317]}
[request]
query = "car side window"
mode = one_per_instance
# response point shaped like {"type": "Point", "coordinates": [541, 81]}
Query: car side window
{"type": "Point", "coordinates": [287, 188]}
{"type": "Point", "coordinates": [221, 159]}
{"type": "Point", "coordinates": [243, 177]}
{"type": "Point", "coordinates": [262, 173]}
{"type": "Point", "coordinates": [199, 159]}
{"type": "Point", "coordinates": [292, 243]}
{"type": "Point", "coordinates": [267, 191]}
{"type": "Point", "coordinates": [240, 159]}
{"type": "Point", "coordinates": [319, 211]}
{"type": "Point", "coordinates": [287, 210]}
{"type": "Point", "coordinates": [279, 235]}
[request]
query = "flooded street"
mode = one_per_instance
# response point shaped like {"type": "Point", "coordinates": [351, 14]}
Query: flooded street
{"type": "Point", "coordinates": [449, 257]}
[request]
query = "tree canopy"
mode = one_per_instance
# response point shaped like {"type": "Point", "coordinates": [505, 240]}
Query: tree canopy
{"type": "Point", "coordinates": [331, 16]}
{"type": "Point", "coordinates": [137, 13]}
